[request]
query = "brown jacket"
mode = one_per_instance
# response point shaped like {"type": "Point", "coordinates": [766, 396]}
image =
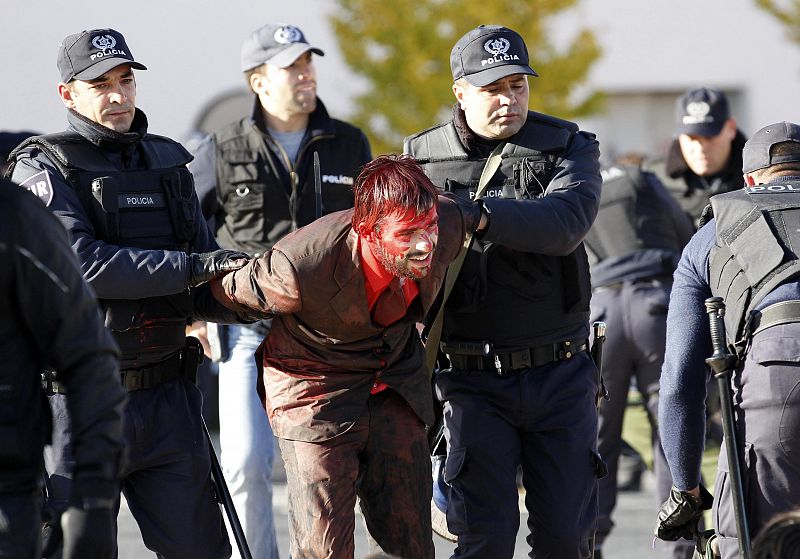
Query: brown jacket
{"type": "Point", "coordinates": [323, 353]}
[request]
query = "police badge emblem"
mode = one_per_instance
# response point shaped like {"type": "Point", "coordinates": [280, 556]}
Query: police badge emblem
{"type": "Point", "coordinates": [40, 185]}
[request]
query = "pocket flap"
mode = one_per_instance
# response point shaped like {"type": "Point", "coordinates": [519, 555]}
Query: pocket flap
{"type": "Point", "coordinates": [772, 348]}
{"type": "Point", "coordinates": [454, 463]}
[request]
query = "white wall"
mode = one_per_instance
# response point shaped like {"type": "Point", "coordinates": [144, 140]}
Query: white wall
{"type": "Point", "coordinates": [656, 47]}
{"type": "Point", "coordinates": [191, 49]}
{"type": "Point", "coordinates": [652, 48]}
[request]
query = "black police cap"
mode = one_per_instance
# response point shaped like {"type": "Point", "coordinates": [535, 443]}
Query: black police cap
{"type": "Point", "coordinates": [90, 54]}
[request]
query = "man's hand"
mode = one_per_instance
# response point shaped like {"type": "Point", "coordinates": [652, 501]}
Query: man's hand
{"type": "Point", "coordinates": [88, 533]}
{"type": "Point", "coordinates": [208, 265]}
{"type": "Point", "coordinates": [681, 513]}
{"type": "Point", "coordinates": [199, 330]}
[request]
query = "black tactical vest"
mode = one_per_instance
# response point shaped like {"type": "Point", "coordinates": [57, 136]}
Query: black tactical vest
{"type": "Point", "coordinates": [631, 219]}
{"type": "Point", "coordinates": [148, 209]}
{"type": "Point", "coordinates": [261, 200]}
{"type": "Point", "coordinates": [501, 294]}
{"type": "Point", "coordinates": [758, 240]}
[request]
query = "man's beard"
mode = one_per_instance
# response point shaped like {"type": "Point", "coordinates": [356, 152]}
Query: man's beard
{"type": "Point", "coordinates": [399, 266]}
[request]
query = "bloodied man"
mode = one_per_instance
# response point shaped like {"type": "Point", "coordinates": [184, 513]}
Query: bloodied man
{"type": "Point", "coordinates": [343, 382]}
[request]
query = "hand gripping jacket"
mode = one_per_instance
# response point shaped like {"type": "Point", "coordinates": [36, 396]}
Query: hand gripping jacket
{"type": "Point", "coordinates": [631, 219]}
{"type": "Point", "coordinates": [151, 209]}
{"type": "Point", "coordinates": [554, 288]}
{"type": "Point", "coordinates": [756, 229]}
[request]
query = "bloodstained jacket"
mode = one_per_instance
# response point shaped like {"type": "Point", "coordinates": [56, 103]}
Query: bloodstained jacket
{"type": "Point", "coordinates": [324, 353]}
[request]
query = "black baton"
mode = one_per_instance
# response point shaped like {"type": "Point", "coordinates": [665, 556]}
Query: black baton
{"type": "Point", "coordinates": [317, 186]}
{"type": "Point", "coordinates": [225, 497]}
{"type": "Point", "coordinates": [722, 362]}
{"type": "Point", "coordinates": [192, 357]}
{"type": "Point", "coordinates": [599, 334]}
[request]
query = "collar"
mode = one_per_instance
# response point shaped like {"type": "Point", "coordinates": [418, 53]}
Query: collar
{"type": "Point", "coordinates": [319, 121]}
{"type": "Point", "coordinates": [786, 178]}
{"type": "Point", "coordinates": [106, 138]}
{"type": "Point", "coordinates": [376, 278]}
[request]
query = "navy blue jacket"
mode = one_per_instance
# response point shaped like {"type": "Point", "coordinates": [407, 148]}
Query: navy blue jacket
{"type": "Point", "coordinates": [114, 272]}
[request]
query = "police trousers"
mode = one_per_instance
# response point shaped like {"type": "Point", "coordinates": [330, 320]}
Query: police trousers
{"type": "Point", "coordinates": [636, 315]}
{"type": "Point", "coordinates": [767, 406]}
{"type": "Point", "coordinates": [167, 479]}
{"type": "Point", "coordinates": [542, 418]}
{"type": "Point", "coordinates": [21, 524]}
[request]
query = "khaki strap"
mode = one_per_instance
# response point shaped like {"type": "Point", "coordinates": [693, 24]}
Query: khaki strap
{"type": "Point", "coordinates": [435, 333]}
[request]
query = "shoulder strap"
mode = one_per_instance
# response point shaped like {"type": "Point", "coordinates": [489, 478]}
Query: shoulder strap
{"type": "Point", "coordinates": [435, 333]}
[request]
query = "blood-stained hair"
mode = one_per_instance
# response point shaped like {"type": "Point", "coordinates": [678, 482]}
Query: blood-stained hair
{"type": "Point", "coordinates": [390, 184]}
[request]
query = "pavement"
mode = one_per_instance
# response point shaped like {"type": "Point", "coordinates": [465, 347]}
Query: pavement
{"type": "Point", "coordinates": [631, 539]}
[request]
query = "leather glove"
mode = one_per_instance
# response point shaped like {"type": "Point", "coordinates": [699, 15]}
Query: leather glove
{"type": "Point", "coordinates": [88, 533]}
{"type": "Point", "coordinates": [470, 210]}
{"type": "Point", "coordinates": [680, 514]}
{"type": "Point", "coordinates": [208, 265]}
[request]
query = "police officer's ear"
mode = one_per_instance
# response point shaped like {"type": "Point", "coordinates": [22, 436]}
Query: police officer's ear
{"type": "Point", "coordinates": [67, 92]}
{"type": "Point", "coordinates": [460, 88]}
{"type": "Point", "coordinates": [259, 81]}
{"type": "Point", "coordinates": [729, 129]}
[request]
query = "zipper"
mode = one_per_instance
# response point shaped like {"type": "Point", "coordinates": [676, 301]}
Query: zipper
{"type": "Point", "coordinates": [294, 178]}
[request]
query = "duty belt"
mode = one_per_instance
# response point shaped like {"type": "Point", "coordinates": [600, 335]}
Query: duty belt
{"type": "Point", "coordinates": [132, 379]}
{"type": "Point", "coordinates": [479, 356]}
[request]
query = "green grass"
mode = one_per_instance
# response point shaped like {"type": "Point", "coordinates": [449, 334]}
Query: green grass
{"type": "Point", "coordinates": [636, 431]}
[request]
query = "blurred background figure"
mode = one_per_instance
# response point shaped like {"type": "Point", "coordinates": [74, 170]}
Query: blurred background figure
{"type": "Point", "coordinates": [633, 247]}
{"type": "Point", "coordinates": [49, 318]}
{"type": "Point", "coordinates": [705, 158]}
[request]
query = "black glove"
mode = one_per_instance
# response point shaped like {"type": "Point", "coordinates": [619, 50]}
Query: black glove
{"type": "Point", "coordinates": [88, 533]}
{"type": "Point", "coordinates": [681, 513]}
{"type": "Point", "coordinates": [208, 265]}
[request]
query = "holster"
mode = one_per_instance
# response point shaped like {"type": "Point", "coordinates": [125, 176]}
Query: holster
{"type": "Point", "coordinates": [191, 358]}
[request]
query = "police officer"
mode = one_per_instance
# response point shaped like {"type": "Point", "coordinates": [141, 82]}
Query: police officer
{"type": "Point", "coordinates": [523, 291]}
{"type": "Point", "coordinates": [256, 183]}
{"type": "Point", "coordinates": [129, 205]}
{"type": "Point", "coordinates": [705, 158]}
{"type": "Point", "coordinates": [745, 255]}
{"type": "Point", "coordinates": [49, 318]}
{"type": "Point", "coordinates": [633, 246]}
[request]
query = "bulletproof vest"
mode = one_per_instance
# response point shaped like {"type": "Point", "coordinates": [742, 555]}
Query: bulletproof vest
{"type": "Point", "coordinates": [758, 239]}
{"type": "Point", "coordinates": [499, 289]}
{"type": "Point", "coordinates": [260, 200]}
{"type": "Point", "coordinates": [150, 209]}
{"type": "Point", "coordinates": [631, 219]}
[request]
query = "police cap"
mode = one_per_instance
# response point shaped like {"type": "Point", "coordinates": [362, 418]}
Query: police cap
{"type": "Point", "coordinates": [757, 150]}
{"type": "Point", "coordinates": [489, 53]}
{"type": "Point", "coordinates": [90, 54]}
{"type": "Point", "coordinates": [277, 44]}
{"type": "Point", "coordinates": [702, 112]}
